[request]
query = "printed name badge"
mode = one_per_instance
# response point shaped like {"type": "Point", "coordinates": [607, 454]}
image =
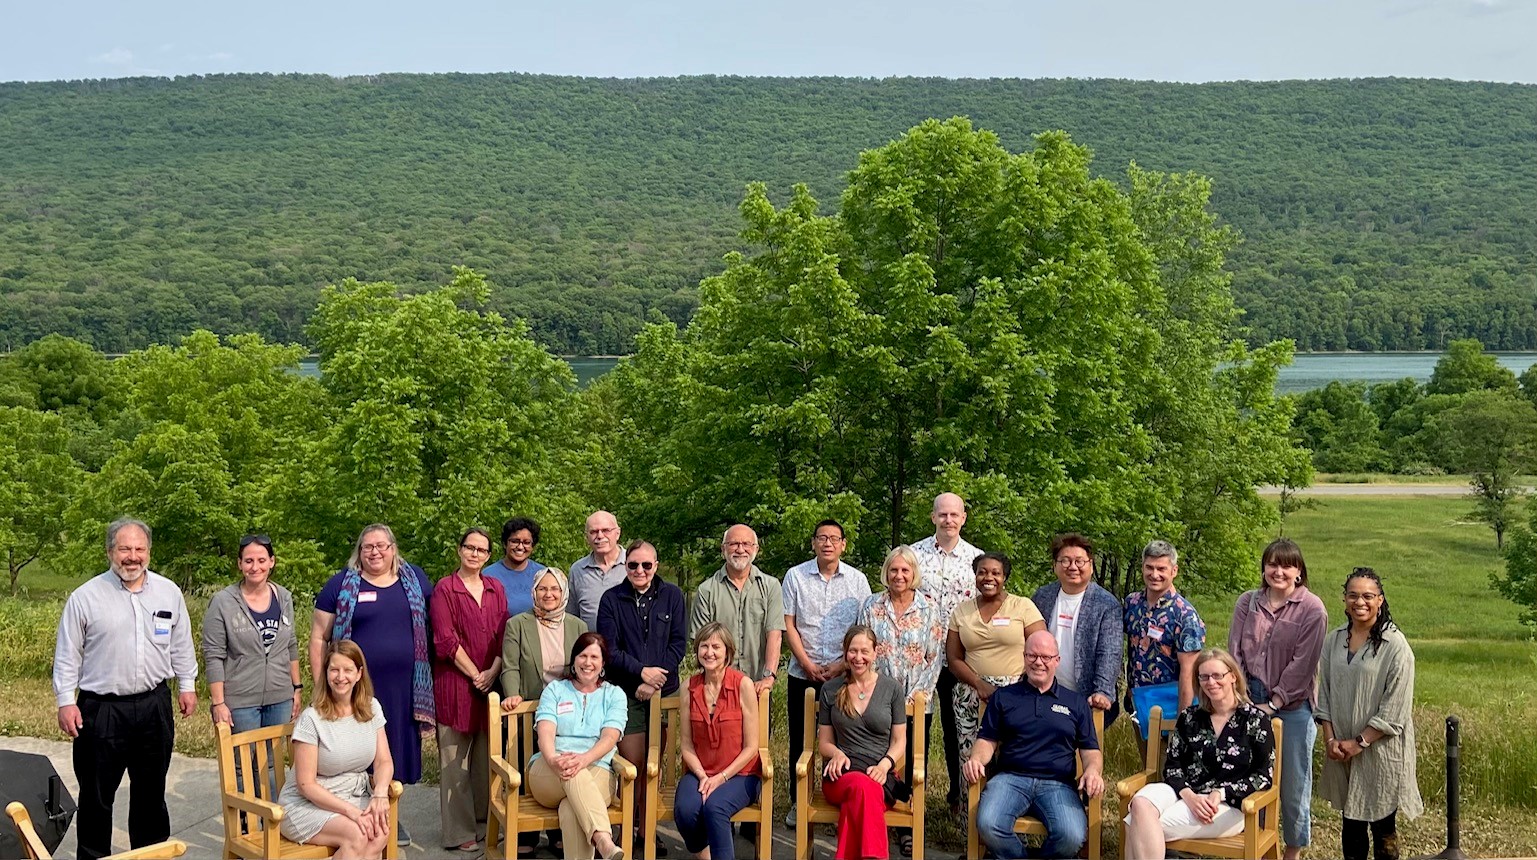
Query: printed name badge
{"type": "Point", "coordinates": [162, 627]}
{"type": "Point", "coordinates": [564, 708]}
{"type": "Point", "coordinates": [1065, 620]}
{"type": "Point", "coordinates": [1154, 632]}
{"type": "Point", "coordinates": [367, 596]}
{"type": "Point", "coordinates": [1062, 709]}
{"type": "Point", "coordinates": [999, 621]}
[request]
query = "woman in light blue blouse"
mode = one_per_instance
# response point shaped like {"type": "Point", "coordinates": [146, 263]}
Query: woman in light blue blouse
{"type": "Point", "coordinates": [578, 723]}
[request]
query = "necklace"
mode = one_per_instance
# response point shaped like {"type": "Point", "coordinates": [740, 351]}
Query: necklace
{"type": "Point", "coordinates": [863, 691]}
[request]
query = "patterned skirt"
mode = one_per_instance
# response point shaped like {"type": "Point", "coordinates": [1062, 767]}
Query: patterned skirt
{"type": "Point", "coordinates": [968, 710]}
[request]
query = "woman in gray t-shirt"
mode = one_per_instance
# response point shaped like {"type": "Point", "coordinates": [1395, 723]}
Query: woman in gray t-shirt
{"type": "Point", "coordinates": [861, 735]}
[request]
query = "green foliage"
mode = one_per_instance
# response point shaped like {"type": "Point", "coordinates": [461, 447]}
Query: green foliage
{"type": "Point", "coordinates": [1379, 214]}
{"type": "Point", "coordinates": [1491, 435]}
{"type": "Point", "coordinates": [1518, 582]}
{"type": "Point", "coordinates": [1340, 428]}
{"type": "Point", "coordinates": [1005, 326]}
{"type": "Point", "coordinates": [1466, 367]}
{"type": "Point", "coordinates": [1528, 381]}
{"type": "Point", "coordinates": [37, 477]}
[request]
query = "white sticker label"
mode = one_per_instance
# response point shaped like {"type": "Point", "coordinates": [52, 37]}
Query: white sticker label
{"type": "Point", "coordinates": [367, 596]}
{"type": "Point", "coordinates": [564, 708]}
{"type": "Point", "coordinates": [162, 628]}
{"type": "Point", "coordinates": [1154, 632]}
{"type": "Point", "coordinates": [1000, 621]}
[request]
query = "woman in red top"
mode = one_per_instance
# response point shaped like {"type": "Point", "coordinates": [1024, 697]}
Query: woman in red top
{"type": "Point", "coordinates": [720, 752]}
{"type": "Point", "coordinates": [468, 613]}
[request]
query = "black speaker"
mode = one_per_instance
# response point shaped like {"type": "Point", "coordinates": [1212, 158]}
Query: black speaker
{"type": "Point", "coordinates": [31, 779]}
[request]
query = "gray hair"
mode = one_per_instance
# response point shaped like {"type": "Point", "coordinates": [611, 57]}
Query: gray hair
{"type": "Point", "coordinates": [1159, 548]}
{"type": "Point", "coordinates": [119, 524]}
{"type": "Point", "coordinates": [353, 561]}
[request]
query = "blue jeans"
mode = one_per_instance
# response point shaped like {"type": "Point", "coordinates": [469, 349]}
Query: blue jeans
{"type": "Point", "coordinates": [1007, 796]}
{"type": "Point", "coordinates": [708, 822]}
{"type": "Point", "coordinates": [1298, 733]}
{"type": "Point", "coordinates": [260, 717]}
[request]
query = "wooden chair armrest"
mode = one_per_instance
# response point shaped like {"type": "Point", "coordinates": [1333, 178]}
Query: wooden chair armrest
{"type": "Point", "coordinates": [166, 850]}
{"type": "Point", "coordinates": [1260, 799]}
{"type": "Point", "coordinates": [803, 765]}
{"type": "Point", "coordinates": [504, 769]}
{"type": "Point", "coordinates": [255, 806]}
{"type": "Point", "coordinates": [765, 763]}
{"type": "Point", "coordinates": [396, 789]}
{"type": "Point", "coordinates": [1133, 784]}
{"type": "Point", "coordinates": [917, 775]}
{"type": "Point", "coordinates": [623, 767]}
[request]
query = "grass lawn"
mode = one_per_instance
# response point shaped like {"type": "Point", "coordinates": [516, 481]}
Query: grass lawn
{"type": "Point", "coordinates": [1472, 659]}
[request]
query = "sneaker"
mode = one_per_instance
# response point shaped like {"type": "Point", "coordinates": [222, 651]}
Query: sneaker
{"type": "Point", "coordinates": [402, 835]}
{"type": "Point", "coordinates": [790, 817]}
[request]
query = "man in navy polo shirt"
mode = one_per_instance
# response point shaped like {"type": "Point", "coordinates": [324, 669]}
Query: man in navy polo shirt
{"type": "Point", "coordinates": [1033, 732]}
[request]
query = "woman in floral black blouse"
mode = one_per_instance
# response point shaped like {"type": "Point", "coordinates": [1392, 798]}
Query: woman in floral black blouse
{"type": "Point", "coordinates": [1220, 752]}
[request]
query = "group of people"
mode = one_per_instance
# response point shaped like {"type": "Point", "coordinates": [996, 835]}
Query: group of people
{"type": "Point", "coordinates": [1015, 681]}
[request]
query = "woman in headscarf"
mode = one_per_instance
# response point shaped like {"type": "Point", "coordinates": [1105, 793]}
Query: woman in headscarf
{"type": "Point", "coordinates": [373, 601]}
{"type": "Point", "coordinates": [534, 648]}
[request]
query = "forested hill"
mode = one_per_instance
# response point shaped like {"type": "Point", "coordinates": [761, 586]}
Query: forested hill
{"type": "Point", "coordinates": [1378, 214]}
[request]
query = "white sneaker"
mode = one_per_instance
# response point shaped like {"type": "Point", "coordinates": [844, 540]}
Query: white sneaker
{"type": "Point", "coordinates": [790, 818]}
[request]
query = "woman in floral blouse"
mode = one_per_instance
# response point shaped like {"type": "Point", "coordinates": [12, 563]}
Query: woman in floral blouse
{"type": "Point", "coordinates": [1220, 752]}
{"type": "Point", "coordinates": [909, 641]}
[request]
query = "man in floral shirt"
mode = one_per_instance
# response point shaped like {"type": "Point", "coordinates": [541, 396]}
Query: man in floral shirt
{"type": "Point", "coordinates": [944, 563]}
{"type": "Point", "coordinates": [1164, 634]}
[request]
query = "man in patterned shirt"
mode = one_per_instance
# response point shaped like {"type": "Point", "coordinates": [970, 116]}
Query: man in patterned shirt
{"type": "Point", "coordinates": [1164, 634]}
{"type": "Point", "coordinates": [944, 562]}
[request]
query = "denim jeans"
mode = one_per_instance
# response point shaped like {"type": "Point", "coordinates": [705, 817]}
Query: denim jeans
{"type": "Point", "coordinates": [260, 717]}
{"type": "Point", "coordinates": [707, 823]}
{"type": "Point", "coordinates": [1298, 733]}
{"type": "Point", "coordinates": [1007, 796]}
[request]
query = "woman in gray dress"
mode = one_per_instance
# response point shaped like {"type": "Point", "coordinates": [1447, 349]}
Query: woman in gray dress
{"type": "Point", "coordinates": [1365, 712]}
{"type": "Point", "coordinates": [330, 799]}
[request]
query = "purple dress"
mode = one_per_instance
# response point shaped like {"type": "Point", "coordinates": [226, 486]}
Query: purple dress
{"type": "Point", "coordinates": [381, 626]}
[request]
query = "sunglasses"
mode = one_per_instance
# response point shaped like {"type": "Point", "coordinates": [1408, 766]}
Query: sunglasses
{"type": "Point", "coordinates": [640, 565]}
{"type": "Point", "coordinates": [259, 540]}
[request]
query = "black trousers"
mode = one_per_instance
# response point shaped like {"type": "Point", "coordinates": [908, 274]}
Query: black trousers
{"type": "Point", "coordinates": [1384, 838]}
{"type": "Point", "coordinates": [132, 734]}
{"type": "Point", "coordinates": [945, 693]}
{"type": "Point", "coordinates": [796, 711]}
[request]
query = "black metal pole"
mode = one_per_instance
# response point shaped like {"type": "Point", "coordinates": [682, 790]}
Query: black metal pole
{"type": "Point", "coordinates": [1453, 792]}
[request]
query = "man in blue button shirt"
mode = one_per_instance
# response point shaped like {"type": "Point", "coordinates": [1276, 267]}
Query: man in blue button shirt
{"type": "Point", "coordinates": [1033, 732]}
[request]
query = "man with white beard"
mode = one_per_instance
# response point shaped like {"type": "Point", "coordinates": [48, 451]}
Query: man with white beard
{"type": "Point", "coordinates": [123, 634]}
{"type": "Point", "coordinates": [749, 602]}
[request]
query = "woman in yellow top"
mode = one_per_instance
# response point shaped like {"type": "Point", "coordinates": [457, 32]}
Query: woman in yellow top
{"type": "Point", "coordinates": [986, 643]}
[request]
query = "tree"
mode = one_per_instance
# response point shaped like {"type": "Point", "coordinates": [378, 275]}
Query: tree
{"type": "Point", "coordinates": [1528, 380]}
{"type": "Point", "coordinates": [1466, 367]}
{"type": "Point", "coordinates": [64, 374]}
{"type": "Point", "coordinates": [1493, 436]}
{"type": "Point", "coordinates": [1060, 352]}
{"type": "Point", "coordinates": [442, 416]}
{"type": "Point", "coordinates": [1340, 428]}
{"type": "Point", "coordinates": [37, 476]}
{"type": "Point", "coordinates": [1519, 581]}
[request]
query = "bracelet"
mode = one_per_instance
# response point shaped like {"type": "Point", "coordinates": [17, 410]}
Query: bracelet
{"type": "Point", "coordinates": [890, 759]}
{"type": "Point", "coordinates": [216, 705]}
{"type": "Point", "coordinates": [298, 686]}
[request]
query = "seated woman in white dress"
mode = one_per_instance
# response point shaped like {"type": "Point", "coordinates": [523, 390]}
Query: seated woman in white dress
{"type": "Point", "coordinates": [329, 799]}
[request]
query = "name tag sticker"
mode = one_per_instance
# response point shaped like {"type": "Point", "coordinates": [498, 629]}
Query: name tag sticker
{"type": "Point", "coordinates": [1065, 620]}
{"type": "Point", "coordinates": [564, 708]}
{"type": "Point", "coordinates": [1062, 709]}
{"type": "Point", "coordinates": [162, 628]}
{"type": "Point", "coordinates": [367, 596]}
{"type": "Point", "coordinates": [1154, 632]}
{"type": "Point", "coordinates": [1000, 621]}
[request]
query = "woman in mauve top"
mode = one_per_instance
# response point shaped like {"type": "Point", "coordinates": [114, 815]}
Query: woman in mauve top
{"type": "Point", "coordinates": [719, 721]}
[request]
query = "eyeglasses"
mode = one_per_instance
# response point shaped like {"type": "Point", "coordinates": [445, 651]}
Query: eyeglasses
{"type": "Point", "coordinates": [259, 540]}
{"type": "Point", "coordinates": [376, 547]}
{"type": "Point", "coordinates": [596, 532]}
{"type": "Point", "coordinates": [741, 544]}
{"type": "Point", "coordinates": [1041, 658]}
{"type": "Point", "coordinates": [519, 542]}
{"type": "Point", "coordinates": [1357, 597]}
{"type": "Point", "coordinates": [478, 550]}
{"type": "Point", "coordinates": [827, 539]}
{"type": "Point", "coordinates": [640, 565]}
{"type": "Point", "coordinates": [1075, 562]}
{"type": "Point", "coordinates": [1213, 676]}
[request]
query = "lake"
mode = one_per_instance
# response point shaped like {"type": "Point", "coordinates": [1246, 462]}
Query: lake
{"type": "Point", "coordinates": [1307, 371]}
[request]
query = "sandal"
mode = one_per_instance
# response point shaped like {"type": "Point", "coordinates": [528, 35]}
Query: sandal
{"type": "Point", "coordinates": [906, 844]}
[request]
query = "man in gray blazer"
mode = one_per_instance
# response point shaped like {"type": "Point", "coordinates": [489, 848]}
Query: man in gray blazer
{"type": "Point", "coordinates": [1086, 621]}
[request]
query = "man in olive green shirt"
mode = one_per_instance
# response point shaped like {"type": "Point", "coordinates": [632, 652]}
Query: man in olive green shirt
{"type": "Point", "coordinates": [749, 602]}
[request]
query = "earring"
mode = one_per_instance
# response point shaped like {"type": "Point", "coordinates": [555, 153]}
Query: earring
{"type": "Point", "coordinates": [1297, 581]}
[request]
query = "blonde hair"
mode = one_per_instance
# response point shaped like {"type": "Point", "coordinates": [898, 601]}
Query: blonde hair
{"type": "Point", "coordinates": [362, 692]}
{"type": "Point", "coordinates": [845, 692]}
{"type": "Point", "coordinates": [721, 632]}
{"type": "Point", "coordinates": [905, 553]}
{"type": "Point", "coordinates": [1240, 682]}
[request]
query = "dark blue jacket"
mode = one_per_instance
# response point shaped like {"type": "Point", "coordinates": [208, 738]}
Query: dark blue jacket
{"type": "Point", "coordinates": [635, 642]}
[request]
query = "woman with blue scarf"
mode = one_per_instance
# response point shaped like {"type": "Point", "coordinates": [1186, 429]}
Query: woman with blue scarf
{"type": "Point", "coordinates": [374, 601]}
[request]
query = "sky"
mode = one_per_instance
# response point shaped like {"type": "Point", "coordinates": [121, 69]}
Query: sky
{"type": "Point", "coordinates": [1173, 40]}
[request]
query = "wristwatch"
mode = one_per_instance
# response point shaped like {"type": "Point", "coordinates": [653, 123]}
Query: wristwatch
{"type": "Point", "coordinates": [1362, 742]}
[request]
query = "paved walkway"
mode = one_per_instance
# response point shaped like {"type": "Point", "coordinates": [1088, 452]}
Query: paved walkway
{"type": "Point", "coordinates": [1374, 490]}
{"type": "Point", "coordinates": [192, 793]}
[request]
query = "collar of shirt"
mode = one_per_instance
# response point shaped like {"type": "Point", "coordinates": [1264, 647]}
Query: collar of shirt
{"type": "Point", "coordinates": [721, 575]}
{"type": "Point", "coordinates": [811, 568]}
{"type": "Point", "coordinates": [917, 604]}
{"type": "Point", "coordinates": [590, 563]}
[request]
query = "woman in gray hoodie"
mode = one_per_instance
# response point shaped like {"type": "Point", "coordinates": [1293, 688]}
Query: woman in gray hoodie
{"type": "Point", "coordinates": [250, 651]}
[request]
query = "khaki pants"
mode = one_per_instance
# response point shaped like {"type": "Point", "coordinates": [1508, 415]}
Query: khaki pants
{"type": "Point", "coordinates": [464, 785]}
{"type": "Point", "coordinates": [582, 802]}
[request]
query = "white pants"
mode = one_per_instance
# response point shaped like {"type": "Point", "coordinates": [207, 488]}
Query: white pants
{"type": "Point", "coordinates": [1179, 822]}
